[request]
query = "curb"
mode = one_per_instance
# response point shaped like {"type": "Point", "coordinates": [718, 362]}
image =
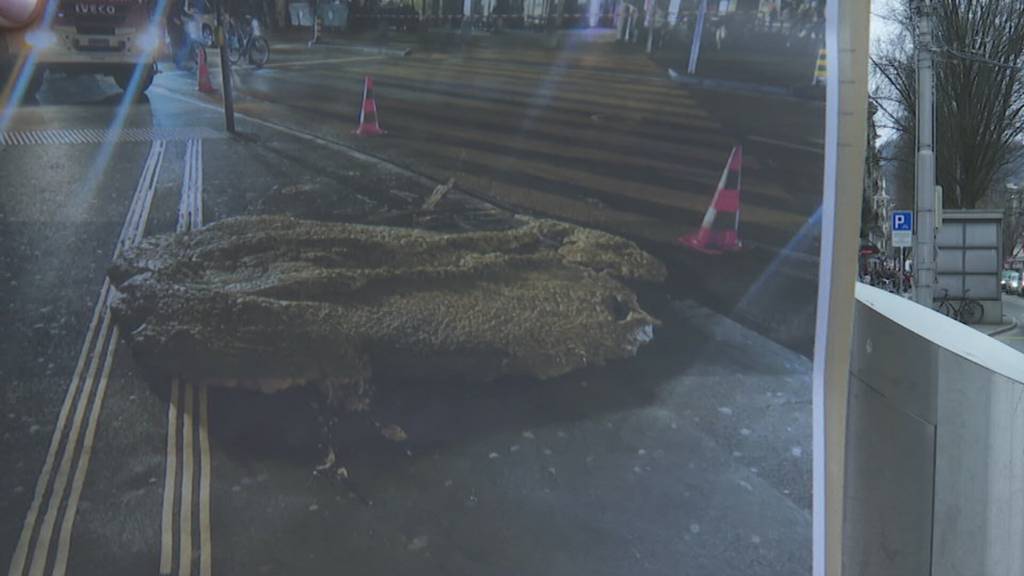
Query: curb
{"type": "Point", "coordinates": [741, 87]}
{"type": "Point", "coordinates": [1003, 330]}
{"type": "Point", "coordinates": [369, 49]}
{"type": "Point", "coordinates": [325, 43]}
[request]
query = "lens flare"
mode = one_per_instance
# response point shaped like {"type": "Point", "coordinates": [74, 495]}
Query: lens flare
{"type": "Point", "coordinates": [802, 247]}
{"type": "Point", "coordinates": [40, 38]}
{"type": "Point", "coordinates": [149, 40]}
{"type": "Point", "coordinates": [22, 75]}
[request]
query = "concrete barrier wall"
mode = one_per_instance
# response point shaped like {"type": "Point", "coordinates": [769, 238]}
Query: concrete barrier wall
{"type": "Point", "coordinates": [969, 259]}
{"type": "Point", "coordinates": [935, 446]}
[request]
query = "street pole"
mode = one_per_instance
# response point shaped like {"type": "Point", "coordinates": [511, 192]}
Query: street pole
{"type": "Point", "coordinates": [649, 22]}
{"type": "Point", "coordinates": [924, 239]}
{"type": "Point", "coordinates": [229, 96]}
{"type": "Point", "coordinates": [630, 15]}
{"type": "Point", "coordinates": [698, 32]}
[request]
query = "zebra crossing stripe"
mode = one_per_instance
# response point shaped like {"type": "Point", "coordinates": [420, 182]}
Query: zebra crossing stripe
{"type": "Point", "coordinates": [96, 136]}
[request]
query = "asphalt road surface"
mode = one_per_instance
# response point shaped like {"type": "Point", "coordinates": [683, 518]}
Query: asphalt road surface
{"type": "Point", "coordinates": [583, 133]}
{"type": "Point", "coordinates": [692, 458]}
{"type": "Point", "coordinates": [593, 132]}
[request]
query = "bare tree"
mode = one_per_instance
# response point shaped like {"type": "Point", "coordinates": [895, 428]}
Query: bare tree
{"type": "Point", "coordinates": [1010, 198]}
{"type": "Point", "coordinates": [872, 178]}
{"type": "Point", "coordinates": [979, 91]}
{"type": "Point", "coordinates": [1013, 225]}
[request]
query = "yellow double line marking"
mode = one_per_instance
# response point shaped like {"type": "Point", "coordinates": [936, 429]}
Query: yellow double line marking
{"type": "Point", "coordinates": [85, 396]}
{"type": "Point", "coordinates": [182, 421]}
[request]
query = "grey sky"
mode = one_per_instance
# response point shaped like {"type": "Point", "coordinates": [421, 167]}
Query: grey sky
{"type": "Point", "coordinates": [880, 26]}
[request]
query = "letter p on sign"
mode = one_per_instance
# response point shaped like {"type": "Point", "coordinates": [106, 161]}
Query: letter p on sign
{"type": "Point", "coordinates": [903, 220]}
{"type": "Point", "coordinates": [902, 228]}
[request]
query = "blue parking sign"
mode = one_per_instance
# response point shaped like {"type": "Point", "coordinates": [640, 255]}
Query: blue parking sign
{"type": "Point", "coordinates": [902, 221]}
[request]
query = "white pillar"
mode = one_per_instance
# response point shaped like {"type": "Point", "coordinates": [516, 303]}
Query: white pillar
{"type": "Point", "coordinates": [924, 238]}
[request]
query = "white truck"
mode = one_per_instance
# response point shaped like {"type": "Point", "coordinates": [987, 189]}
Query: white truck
{"type": "Point", "coordinates": [109, 37]}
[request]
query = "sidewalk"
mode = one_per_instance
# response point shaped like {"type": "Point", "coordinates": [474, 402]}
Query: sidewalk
{"type": "Point", "coordinates": [747, 60]}
{"type": "Point", "coordinates": [394, 42]}
{"type": "Point", "coordinates": [377, 41]}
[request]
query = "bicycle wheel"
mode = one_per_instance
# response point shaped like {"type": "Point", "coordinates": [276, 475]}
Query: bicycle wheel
{"type": "Point", "coordinates": [259, 51]}
{"type": "Point", "coordinates": [947, 308]}
{"type": "Point", "coordinates": [234, 42]}
{"type": "Point", "coordinates": [972, 312]}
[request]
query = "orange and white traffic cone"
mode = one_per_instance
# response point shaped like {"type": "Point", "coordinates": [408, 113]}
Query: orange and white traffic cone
{"type": "Point", "coordinates": [369, 124]}
{"type": "Point", "coordinates": [203, 74]}
{"type": "Point", "coordinates": [712, 239]}
{"type": "Point", "coordinates": [821, 69]}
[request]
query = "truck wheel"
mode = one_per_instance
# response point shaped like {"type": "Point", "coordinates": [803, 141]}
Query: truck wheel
{"type": "Point", "coordinates": [34, 84]}
{"type": "Point", "coordinates": [124, 78]}
{"type": "Point", "coordinates": [9, 67]}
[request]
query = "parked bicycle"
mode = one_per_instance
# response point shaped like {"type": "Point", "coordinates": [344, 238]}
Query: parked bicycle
{"type": "Point", "coordinates": [245, 40]}
{"type": "Point", "coordinates": [966, 310]}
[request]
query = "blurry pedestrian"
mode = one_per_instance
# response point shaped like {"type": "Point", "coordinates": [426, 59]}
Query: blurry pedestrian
{"type": "Point", "coordinates": [720, 32]}
{"type": "Point", "coordinates": [818, 26]}
{"type": "Point", "coordinates": [805, 17]}
{"type": "Point", "coordinates": [622, 18]}
{"type": "Point", "coordinates": [660, 25]}
{"type": "Point", "coordinates": [178, 19]}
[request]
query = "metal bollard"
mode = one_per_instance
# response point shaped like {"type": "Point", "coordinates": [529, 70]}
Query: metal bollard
{"type": "Point", "coordinates": [225, 74]}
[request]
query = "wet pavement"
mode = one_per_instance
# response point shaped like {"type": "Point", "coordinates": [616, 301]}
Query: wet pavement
{"type": "Point", "coordinates": [694, 457]}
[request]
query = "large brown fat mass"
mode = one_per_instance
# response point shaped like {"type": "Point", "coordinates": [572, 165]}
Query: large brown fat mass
{"type": "Point", "coordinates": [272, 302]}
